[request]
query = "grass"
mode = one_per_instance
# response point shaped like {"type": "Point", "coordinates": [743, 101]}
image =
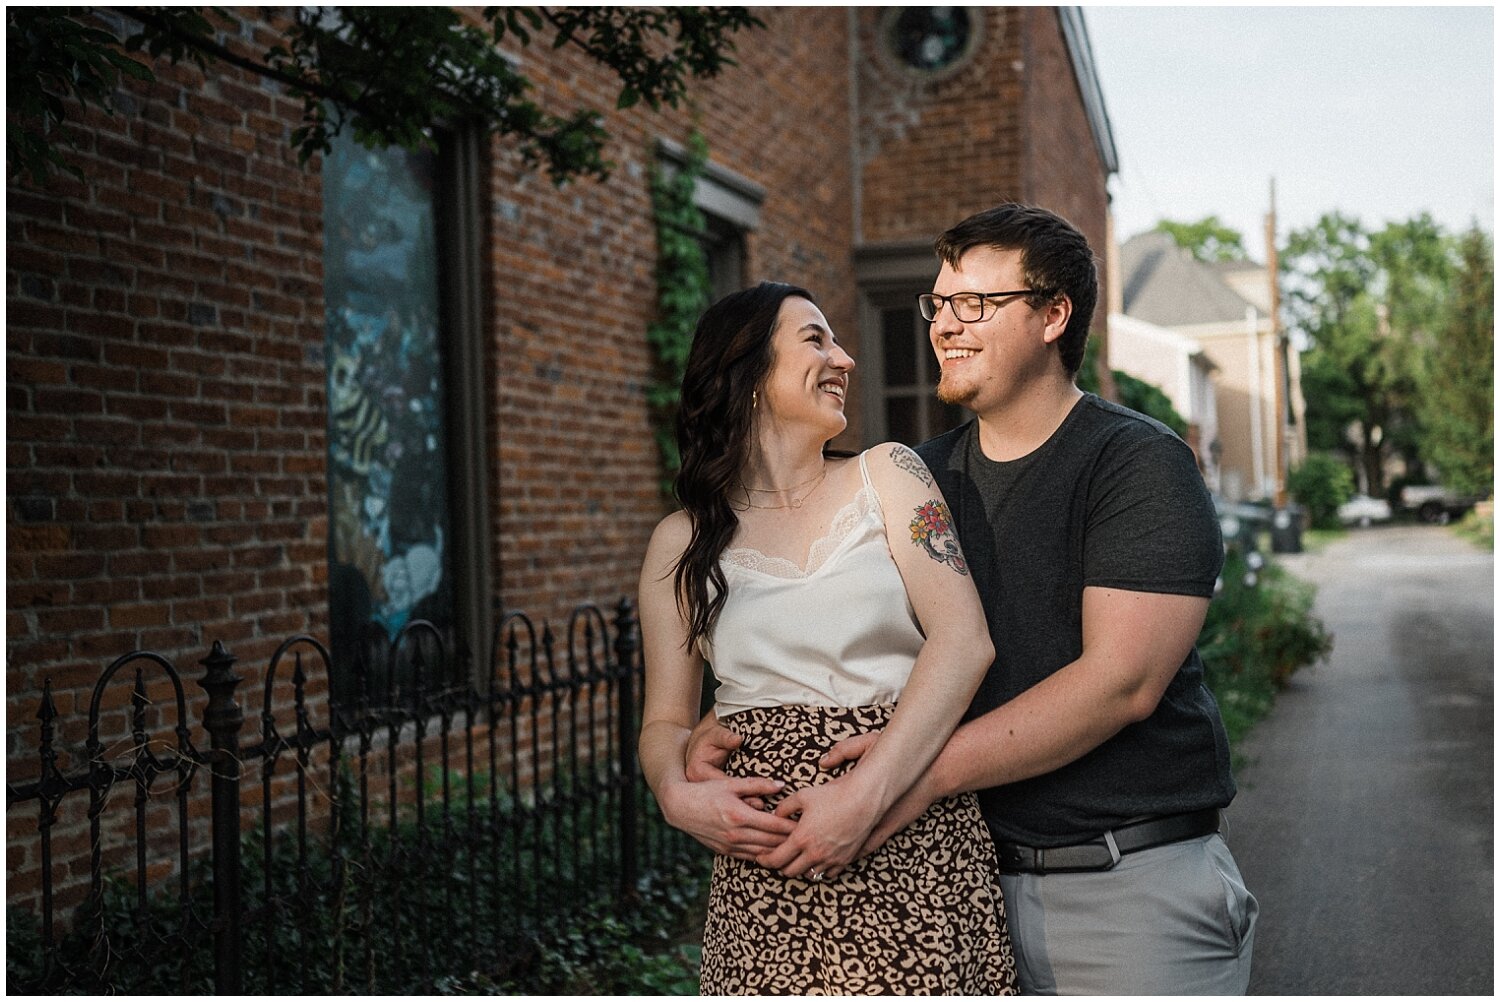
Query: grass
{"type": "Point", "coordinates": [1314, 540]}
{"type": "Point", "coordinates": [1478, 527]}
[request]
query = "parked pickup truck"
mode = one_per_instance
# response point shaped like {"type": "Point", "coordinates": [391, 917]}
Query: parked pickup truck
{"type": "Point", "coordinates": [1436, 504]}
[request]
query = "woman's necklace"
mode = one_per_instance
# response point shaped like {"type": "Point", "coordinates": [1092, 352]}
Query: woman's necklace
{"type": "Point", "coordinates": [814, 480]}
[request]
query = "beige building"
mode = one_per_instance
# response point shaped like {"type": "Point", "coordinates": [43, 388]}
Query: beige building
{"type": "Point", "coordinates": [1178, 366]}
{"type": "Point", "coordinates": [1226, 310]}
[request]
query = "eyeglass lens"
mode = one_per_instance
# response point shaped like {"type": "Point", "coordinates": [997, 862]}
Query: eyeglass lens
{"type": "Point", "coordinates": [967, 307]}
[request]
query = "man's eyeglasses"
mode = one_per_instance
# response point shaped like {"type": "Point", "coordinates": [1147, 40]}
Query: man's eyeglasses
{"type": "Point", "coordinates": [969, 307]}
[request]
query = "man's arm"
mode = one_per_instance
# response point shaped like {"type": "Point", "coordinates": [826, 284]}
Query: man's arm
{"type": "Point", "coordinates": [1133, 645]}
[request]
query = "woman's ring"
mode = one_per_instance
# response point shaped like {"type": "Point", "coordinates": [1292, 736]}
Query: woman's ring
{"type": "Point", "coordinates": [816, 875]}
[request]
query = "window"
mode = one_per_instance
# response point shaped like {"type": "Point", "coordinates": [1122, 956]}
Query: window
{"type": "Point", "coordinates": [900, 371]}
{"type": "Point", "coordinates": [730, 204]}
{"type": "Point", "coordinates": [932, 41]}
{"type": "Point", "coordinates": [392, 332]}
{"type": "Point", "coordinates": [724, 247]}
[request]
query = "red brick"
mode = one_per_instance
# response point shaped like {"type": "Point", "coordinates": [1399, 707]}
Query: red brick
{"type": "Point", "coordinates": [31, 593]}
{"type": "Point", "coordinates": [131, 617]}
{"type": "Point", "coordinates": [157, 537]}
{"type": "Point", "coordinates": [99, 325]}
{"type": "Point", "coordinates": [36, 371]}
{"type": "Point", "coordinates": [37, 538]}
{"type": "Point", "coordinates": [198, 413]}
{"type": "Point", "coordinates": [67, 621]}
{"type": "Point", "coordinates": [105, 538]}
{"type": "Point", "coordinates": [140, 408]}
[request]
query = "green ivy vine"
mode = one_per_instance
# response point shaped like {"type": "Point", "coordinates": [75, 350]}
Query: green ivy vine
{"type": "Point", "coordinates": [682, 289]}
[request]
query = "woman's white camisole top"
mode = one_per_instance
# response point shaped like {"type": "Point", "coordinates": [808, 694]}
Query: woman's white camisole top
{"type": "Point", "coordinates": [839, 632]}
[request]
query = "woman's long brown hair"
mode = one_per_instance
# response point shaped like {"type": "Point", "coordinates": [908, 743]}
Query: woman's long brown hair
{"type": "Point", "coordinates": [730, 358]}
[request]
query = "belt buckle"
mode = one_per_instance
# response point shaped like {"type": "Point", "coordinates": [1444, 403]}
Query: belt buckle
{"type": "Point", "coordinates": [1114, 850]}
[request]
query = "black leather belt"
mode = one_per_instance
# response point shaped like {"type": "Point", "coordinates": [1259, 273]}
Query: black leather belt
{"type": "Point", "coordinates": [1104, 852]}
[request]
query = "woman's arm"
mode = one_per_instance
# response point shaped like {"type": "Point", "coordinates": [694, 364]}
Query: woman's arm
{"type": "Point", "coordinates": [837, 817]}
{"type": "Point", "coordinates": [713, 812]}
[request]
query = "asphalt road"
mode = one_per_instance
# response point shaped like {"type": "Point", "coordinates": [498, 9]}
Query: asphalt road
{"type": "Point", "coordinates": [1365, 819]}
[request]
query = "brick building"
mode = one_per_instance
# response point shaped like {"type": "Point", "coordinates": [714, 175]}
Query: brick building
{"type": "Point", "coordinates": [238, 385]}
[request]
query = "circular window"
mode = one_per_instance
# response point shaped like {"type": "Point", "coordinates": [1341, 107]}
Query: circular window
{"type": "Point", "coordinates": [930, 39]}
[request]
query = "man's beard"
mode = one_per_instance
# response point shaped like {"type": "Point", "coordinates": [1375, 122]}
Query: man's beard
{"type": "Point", "coordinates": [948, 393]}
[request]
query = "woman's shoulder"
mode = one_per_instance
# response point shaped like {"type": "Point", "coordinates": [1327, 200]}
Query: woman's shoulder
{"type": "Point", "coordinates": [891, 463]}
{"type": "Point", "coordinates": [674, 530]}
{"type": "Point", "coordinates": [898, 478]}
{"type": "Point", "coordinates": [668, 541]}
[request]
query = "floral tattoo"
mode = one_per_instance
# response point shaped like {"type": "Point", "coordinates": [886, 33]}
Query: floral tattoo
{"type": "Point", "coordinates": [911, 463]}
{"type": "Point", "coordinates": [932, 529]}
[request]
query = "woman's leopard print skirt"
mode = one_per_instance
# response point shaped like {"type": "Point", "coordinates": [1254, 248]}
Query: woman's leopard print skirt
{"type": "Point", "coordinates": [921, 916]}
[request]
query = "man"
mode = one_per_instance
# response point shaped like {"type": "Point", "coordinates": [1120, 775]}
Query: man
{"type": "Point", "coordinates": [1099, 757]}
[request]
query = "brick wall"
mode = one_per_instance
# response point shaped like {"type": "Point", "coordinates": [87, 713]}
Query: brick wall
{"type": "Point", "coordinates": [1062, 167]}
{"type": "Point", "coordinates": [937, 149]}
{"type": "Point", "coordinates": [167, 413]}
{"type": "Point", "coordinates": [166, 394]}
{"type": "Point", "coordinates": [573, 290]}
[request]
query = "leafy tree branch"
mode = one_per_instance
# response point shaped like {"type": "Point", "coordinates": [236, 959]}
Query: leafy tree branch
{"type": "Point", "coordinates": [387, 73]}
{"type": "Point", "coordinates": [1208, 239]}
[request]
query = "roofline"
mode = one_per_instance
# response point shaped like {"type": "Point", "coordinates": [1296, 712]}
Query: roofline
{"type": "Point", "coordinates": [1076, 35]}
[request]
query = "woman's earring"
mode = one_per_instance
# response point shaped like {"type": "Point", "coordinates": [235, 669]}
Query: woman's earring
{"type": "Point", "coordinates": [754, 398]}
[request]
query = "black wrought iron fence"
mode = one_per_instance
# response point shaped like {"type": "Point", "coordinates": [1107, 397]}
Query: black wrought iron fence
{"type": "Point", "coordinates": [432, 825]}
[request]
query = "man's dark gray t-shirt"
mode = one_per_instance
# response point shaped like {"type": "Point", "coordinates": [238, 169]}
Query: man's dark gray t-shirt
{"type": "Point", "coordinates": [1113, 499]}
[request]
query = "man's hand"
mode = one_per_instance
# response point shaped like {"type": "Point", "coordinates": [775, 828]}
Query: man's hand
{"type": "Point", "coordinates": [833, 822]}
{"type": "Point", "coordinates": [717, 813]}
{"type": "Point", "coordinates": [848, 750]}
{"type": "Point", "coordinates": [708, 750]}
{"type": "Point", "coordinates": [902, 813]}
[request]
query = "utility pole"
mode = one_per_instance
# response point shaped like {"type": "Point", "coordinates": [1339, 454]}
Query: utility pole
{"type": "Point", "coordinates": [1278, 352]}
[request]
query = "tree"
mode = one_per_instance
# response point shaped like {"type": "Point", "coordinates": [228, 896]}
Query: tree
{"type": "Point", "coordinates": [387, 73]}
{"type": "Point", "coordinates": [1208, 239]}
{"type": "Point", "coordinates": [1368, 303]}
{"type": "Point", "coordinates": [1320, 485]}
{"type": "Point", "coordinates": [1457, 405]}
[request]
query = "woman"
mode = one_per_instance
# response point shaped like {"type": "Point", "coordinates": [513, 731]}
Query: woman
{"type": "Point", "coordinates": [822, 590]}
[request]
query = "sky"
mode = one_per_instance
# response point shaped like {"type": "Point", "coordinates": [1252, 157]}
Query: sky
{"type": "Point", "coordinates": [1378, 112]}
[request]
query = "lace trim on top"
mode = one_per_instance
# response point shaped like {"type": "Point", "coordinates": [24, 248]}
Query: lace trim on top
{"type": "Point", "coordinates": [845, 521]}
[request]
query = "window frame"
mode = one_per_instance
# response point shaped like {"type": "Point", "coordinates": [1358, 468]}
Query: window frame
{"type": "Point", "coordinates": [463, 165]}
{"type": "Point", "coordinates": [889, 276]}
{"type": "Point", "coordinates": [460, 167]}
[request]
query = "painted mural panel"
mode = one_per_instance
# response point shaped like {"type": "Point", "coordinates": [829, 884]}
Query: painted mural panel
{"type": "Point", "coordinates": [388, 505]}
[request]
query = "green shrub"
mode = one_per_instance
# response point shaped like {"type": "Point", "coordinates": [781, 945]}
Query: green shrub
{"type": "Point", "coordinates": [1137, 394]}
{"type": "Point", "coordinates": [1259, 631]}
{"type": "Point", "coordinates": [603, 952]}
{"type": "Point", "coordinates": [1320, 485]}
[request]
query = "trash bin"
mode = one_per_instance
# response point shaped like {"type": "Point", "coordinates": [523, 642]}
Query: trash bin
{"type": "Point", "coordinates": [1286, 529]}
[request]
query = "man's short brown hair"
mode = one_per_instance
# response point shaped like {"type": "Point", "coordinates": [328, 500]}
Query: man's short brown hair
{"type": "Point", "coordinates": [1055, 258]}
